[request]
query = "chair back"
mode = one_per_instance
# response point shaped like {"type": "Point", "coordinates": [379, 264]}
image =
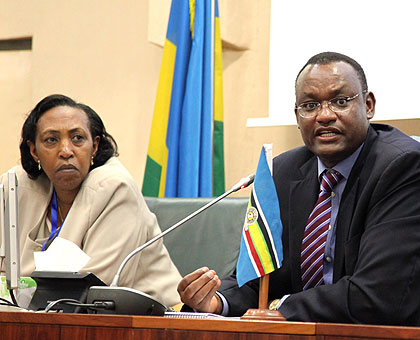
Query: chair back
{"type": "Point", "coordinates": [210, 239]}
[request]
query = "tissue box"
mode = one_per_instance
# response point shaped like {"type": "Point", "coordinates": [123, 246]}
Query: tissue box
{"type": "Point", "coordinates": [26, 289]}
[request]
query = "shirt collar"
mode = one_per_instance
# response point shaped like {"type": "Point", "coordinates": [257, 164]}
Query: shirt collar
{"type": "Point", "coordinates": [344, 167]}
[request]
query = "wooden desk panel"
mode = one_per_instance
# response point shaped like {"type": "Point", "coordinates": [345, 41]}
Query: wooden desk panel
{"type": "Point", "coordinates": [94, 333]}
{"type": "Point", "coordinates": [30, 326]}
{"type": "Point", "coordinates": [15, 331]}
{"type": "Point", "coordinates": [159, 334]}
{"type": "Point", "coordinates": [227, 325]}
{"type": "Point", "coordinates": [331, 331]}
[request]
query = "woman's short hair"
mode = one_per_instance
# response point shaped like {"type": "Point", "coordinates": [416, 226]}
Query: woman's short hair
{"type": "Point", "coordinates": [107, 145]}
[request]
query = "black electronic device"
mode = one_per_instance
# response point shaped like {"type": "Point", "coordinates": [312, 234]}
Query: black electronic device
{"type": "Point", "coordinates": [52, 286]}
{"type": "Point", "coordinates": [126, 301]}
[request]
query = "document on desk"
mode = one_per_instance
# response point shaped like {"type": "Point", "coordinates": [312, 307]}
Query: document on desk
{"type": "Point", "coordinates": [192, 315]}
{"type": "Point", "coordinates": [61, 255]}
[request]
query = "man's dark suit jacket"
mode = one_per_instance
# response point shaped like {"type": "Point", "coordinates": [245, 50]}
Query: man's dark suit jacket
{"type": "Point", "coordinates": [376, 275]}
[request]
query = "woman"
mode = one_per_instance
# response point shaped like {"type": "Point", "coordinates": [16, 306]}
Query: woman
{"type": "Point", "coordinates": [72, 185]}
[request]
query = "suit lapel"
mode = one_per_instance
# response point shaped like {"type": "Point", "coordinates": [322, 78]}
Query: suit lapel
{"type": "Point", "coordinates": [348, 205]}
{"type": "Point", "coordinates": [302, 197]}
{"type": "Point", "coordinates": [343, 223]}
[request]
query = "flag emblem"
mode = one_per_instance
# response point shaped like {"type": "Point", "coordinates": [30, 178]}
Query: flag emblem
{"type": "Point", "coordinates": [252, 215]}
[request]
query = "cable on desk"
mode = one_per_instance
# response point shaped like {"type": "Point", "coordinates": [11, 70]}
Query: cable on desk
{"type": "Point", "coordinates": [7, 303]}
{"type": "Point", "coordinates": [77, 303]}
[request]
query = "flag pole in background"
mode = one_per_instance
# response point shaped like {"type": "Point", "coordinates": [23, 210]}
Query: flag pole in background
{"type": "Point", "coordinates": [185, 157]}
{"type": "Point", "coordinates": [261, 250]}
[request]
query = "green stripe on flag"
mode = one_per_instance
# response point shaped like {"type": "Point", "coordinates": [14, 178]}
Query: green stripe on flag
{"type": "Point", "coordinates": [218, 159]}
{"type": "Point", "coordinates": [151, 181]}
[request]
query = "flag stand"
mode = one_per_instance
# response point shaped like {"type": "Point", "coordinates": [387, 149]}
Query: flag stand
{"type": "Point", "coordinates": [263, 313]}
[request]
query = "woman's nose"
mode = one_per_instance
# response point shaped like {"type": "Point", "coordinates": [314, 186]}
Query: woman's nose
{"type": "Point", "coordinates": [66, 149]}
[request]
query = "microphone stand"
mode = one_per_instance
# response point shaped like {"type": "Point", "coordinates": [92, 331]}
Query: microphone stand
{"type": "Point", "coordinates": [123, 300]}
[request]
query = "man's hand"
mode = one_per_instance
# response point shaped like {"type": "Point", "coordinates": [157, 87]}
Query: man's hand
{"type": "Point", "coordinates": [198, 290]}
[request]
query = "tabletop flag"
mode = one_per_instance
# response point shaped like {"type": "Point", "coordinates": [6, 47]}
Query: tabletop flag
{"type": "Point", "coordinates": [261, 246]}
{"type": "Point", "coordinates": [185, 155]}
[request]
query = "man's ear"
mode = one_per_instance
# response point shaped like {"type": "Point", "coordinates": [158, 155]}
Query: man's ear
{"type": "Point", "coordinates": [370, 105]}
{"type": "Point", "coordinates": [32, 150]}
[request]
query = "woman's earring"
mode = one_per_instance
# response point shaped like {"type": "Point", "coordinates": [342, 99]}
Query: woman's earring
{"type": "Point", "coordinates": [39, 165]}
{"type": "Point", "coordinates": [91, 160]}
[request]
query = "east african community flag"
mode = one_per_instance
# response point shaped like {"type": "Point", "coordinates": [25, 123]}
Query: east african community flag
{"type": "Point", "coordinates": [261, 249]}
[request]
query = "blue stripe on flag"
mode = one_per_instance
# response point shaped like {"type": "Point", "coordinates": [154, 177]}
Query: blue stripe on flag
{"type": "Point", "coordinates": [206, 147]}
{"type": "Point", "coordinates": [180, 34]}
{"type": "Point", "coordinates": [190, 126]}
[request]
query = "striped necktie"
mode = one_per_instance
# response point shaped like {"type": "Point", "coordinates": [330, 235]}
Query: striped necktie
{"type": "Point", "coordinates": [316, 231]}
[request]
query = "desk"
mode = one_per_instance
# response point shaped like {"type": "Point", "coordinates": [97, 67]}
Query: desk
{"type": "Point", "coordinates": [41, 326]}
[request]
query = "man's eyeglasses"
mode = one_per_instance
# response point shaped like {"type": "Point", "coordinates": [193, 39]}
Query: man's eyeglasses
{"type": "Point", "coordinates": [337, 105]}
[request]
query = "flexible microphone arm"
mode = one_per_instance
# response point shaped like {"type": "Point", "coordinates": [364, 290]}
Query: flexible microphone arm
{"type": "Point", "coordinates": [243, 183]}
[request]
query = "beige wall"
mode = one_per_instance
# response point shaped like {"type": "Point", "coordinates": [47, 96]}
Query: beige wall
{"type": "Point", "coordinates": [94, 51]}
{"type": "Point", "coordinates": [99, 53]}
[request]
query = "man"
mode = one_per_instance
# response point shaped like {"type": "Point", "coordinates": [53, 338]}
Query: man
{"type": "Point", "coordinates": [369, 267]}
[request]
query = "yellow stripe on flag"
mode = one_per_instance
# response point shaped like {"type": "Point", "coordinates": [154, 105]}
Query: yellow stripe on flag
{"type": "Point", "coordinates": [218, 73]}
{"type": "Point", "coordinates": [192, 17]}
{"type": "Point", "coordinates": [158, 150]}
{"type": "Point", "coordinates": [261, 247]}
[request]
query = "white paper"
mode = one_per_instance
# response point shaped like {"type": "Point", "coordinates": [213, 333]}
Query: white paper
{"type": "Point", "coordinates": [61, 255]}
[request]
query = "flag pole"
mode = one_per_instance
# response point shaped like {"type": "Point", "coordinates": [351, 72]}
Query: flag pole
{"type": "Point", "coordinates": [263, 293]}
{"type": "Point", "coordinates": [263, 313]}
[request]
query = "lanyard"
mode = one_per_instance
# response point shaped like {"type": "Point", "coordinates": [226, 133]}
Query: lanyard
{"type": "Point", "coordinates": [54, 230]}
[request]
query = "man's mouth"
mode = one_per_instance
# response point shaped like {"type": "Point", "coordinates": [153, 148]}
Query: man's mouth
{"type": "Point", "coordinates": [327, 134]}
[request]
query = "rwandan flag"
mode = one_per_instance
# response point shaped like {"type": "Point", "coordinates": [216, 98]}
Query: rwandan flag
{"type": "Point", "coordinates": [261, 246]}
{"type": "Point", "coordinates": [185, 155]}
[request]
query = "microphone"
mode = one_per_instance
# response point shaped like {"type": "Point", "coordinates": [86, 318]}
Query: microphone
{"type": "Point", "coordinates": [243, 183]}
{"type": "Point", "coordinates": [133, 302]}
